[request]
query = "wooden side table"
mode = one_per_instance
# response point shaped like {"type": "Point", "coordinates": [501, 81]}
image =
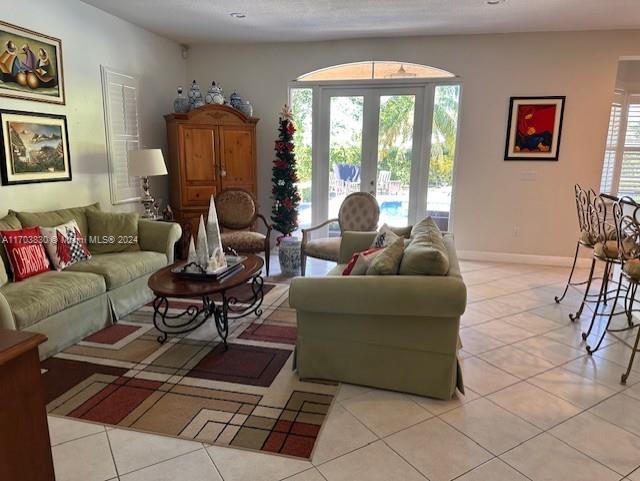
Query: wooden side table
{"type": "Point", "coordinates": [25, 448]}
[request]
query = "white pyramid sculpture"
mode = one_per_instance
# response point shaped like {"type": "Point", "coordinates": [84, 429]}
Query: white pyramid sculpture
{"type": "Point", "coordinates": [217, 260]}
{"type": "Point", "coordinates": [192, 257]}
{"type": "Point", "coordinates": [202, 249]}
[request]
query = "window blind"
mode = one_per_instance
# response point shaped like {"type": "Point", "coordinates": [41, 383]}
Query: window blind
{"type": "Point", "coordinates": [120, 96]}
{"type": "Point", "coordinates": [630, 151]}
{"type": "Point", "coordinates": [613, 135]}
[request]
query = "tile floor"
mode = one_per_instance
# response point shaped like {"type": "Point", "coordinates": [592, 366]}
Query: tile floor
{"type": "Point", "coordinates": [537, 408]}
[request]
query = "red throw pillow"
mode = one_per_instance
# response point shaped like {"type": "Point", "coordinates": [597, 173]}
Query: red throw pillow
{"type": "Point", "coordinates": [359, 262]}
{"type": "Point", "coordinates": [25, 252]}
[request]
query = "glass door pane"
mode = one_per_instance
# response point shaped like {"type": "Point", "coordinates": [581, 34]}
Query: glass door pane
{"type": "Point", "coordinates": [442, 155]}
{"type": "Point", "coordinates": [395, 154]}
{"type": "Point", "coordinates": [301, 109]}
{"type": "Point", "coordinates": [346, 120]}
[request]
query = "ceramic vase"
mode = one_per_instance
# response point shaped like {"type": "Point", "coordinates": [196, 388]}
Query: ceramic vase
{"type": "Point", "coordinates": [246, 108]}
{"type": "Point", "coordinates": [195, 96]}
{"type": "Point", "coordinates": [181, 103]}
{"type": "Point", "coordinates": [214, 95]}
{"type": "Point", "coordinates": [289, 256]}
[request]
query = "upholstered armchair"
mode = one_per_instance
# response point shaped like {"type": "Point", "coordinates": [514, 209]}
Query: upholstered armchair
{"type": "Point", "coordinates": [359, 212]}
{"type": "Point", "coordinates": [237, 216]}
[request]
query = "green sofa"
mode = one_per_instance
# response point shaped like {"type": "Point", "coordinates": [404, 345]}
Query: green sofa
{"type": "Point", "coordinates": [87, 296]}
{"type": "Point", "coordinates": [392, 332]}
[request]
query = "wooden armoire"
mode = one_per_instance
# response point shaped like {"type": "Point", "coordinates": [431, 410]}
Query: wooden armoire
{"type": "Point", "coordinates": [210, 148]}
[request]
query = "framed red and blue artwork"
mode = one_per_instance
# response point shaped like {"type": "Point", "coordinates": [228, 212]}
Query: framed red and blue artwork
{"type": "Point", "coordinates": [534, 129]}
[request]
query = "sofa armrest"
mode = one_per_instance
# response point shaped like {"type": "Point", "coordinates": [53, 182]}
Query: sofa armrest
{"type": "Point", "coordinates": [353, 242]}
{"type": "Point", "coordinates": [423, 296]}
{"type": "Point", "coordinates": [158, 236]}
{"type": "Point", "coordinates": [6, 316]}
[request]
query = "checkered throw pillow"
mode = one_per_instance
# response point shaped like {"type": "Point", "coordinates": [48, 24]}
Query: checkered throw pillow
{"type": "Point", "coordinates": [65, 245]}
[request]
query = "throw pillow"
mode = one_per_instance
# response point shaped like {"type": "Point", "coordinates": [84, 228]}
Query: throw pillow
{"type": "Point", "coordinates": [25, 252]}
{"type": "Point", "coordinates": [426, 254]}
{"type": "Point", "coordinates": [8, 222]}
{"type": "Point", "coordinates": [65, 244]}
{"type": "Point", "coordinates": [384, 237]}
{"type": "Point", "coordinates": [112, 232]}
{"type": "Point", "coordinates": [388, 262]}
{"type": "Point", "coordinates": [360, 261]}
{"type": "Point", "coordinates": [56, 217]}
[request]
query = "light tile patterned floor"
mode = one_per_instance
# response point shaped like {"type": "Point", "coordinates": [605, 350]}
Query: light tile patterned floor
{"type": "Point", "coordinates": [537, 408]}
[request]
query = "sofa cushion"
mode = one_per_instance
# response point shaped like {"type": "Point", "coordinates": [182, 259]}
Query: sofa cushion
{"type": "Point", "coordinates": [53, 218]}
{"type": "Point", "coordinates": [388, 262]}
{"type": "Point", "coordinates": [120, 268]}
{"type": "Point", "coordinates": [8, 222]}
{"type": "Point", "coordinates": [426, 254]}
{"type": "Point", "coordinates": [112, 232]}
{"type": "Point", "coordinates": [47, 294]}
{"type": "Point", "coordinates": [327, 248]}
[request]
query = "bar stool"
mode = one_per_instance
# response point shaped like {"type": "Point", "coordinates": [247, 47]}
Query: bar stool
{"type": "Point", "coordinates": [601, 233]}
{"type": "Point", "coordinates": [586, 238]}
{"type": "Point", "coordinates": [627, 220]}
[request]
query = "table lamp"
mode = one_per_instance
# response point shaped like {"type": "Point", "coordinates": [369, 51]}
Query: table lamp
{"type": "Point", "coordinates": [145, 163]}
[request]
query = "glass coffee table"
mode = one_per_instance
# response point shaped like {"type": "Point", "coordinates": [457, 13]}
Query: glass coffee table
{"type": "Point", "coordinates": [226, 307]}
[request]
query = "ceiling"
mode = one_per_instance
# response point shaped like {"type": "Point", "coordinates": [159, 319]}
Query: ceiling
{"type": "Point", "coordinates": [202, 21]}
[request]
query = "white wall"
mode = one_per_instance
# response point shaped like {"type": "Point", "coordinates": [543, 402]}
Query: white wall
{"type": "Point", "coordinates": [90, 38]}
{"type": "Point", "coordinates": [491, 197]}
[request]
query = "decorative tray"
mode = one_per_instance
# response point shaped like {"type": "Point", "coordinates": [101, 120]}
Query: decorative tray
{"type": "Point", "coordinates": [194, 272]}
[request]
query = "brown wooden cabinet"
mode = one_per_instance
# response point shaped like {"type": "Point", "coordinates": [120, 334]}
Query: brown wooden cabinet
{"type": "Point", "coordinates": [210, 149]}
{"type": "Point", "coordinates": [25, 453]}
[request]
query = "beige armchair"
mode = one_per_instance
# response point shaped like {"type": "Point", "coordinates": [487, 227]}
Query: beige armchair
{"type": "Point", "coordinates": [237, 215]}
{"type": "Point", "coordinates": [359, 212]}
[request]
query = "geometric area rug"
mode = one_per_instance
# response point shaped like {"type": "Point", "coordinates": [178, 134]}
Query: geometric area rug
{"type": "Point", "coordinates": [247, 397]}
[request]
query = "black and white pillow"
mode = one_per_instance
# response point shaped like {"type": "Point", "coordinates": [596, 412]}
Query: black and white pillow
{"type": "Point", "coordinates": [65, 245]}
{"type": "Point", "coordinates": [384, 237]}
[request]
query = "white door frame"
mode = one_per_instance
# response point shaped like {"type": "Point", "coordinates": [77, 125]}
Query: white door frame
{"type": "Point", "coordinates": [423, 120]}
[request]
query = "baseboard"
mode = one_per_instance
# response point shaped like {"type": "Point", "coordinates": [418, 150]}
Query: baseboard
{"type": "Point", "coordinates": [522, 258]}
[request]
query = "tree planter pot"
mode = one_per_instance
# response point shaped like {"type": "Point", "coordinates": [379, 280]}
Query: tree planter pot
{"type": "Point", "coordinates": [289, 256]}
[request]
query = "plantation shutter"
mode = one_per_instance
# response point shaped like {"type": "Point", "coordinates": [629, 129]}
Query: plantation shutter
{"type": "Point", "coordinates": [630, 169]}
{"type": "Point", "coordinates": [613, 136]}
{"type": "Point", "coordinates": [120, 97]}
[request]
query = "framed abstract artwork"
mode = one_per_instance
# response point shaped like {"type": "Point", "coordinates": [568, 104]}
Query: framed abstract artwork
{"type": "Point", "coordinates": [30, 65]}
{"type": "Point", "coordinates": [534, 129]}
{"type": "Point", "coordinates": [35, 148]}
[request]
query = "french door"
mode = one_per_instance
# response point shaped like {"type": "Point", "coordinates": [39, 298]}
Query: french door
{"type": "Point", "coordinates": [373, 140]}
{"type": "Point", "coordinates": [397, 142]}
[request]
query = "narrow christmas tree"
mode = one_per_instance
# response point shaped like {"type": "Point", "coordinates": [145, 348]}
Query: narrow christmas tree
{"type": "Point", "coordinates": [285, 192]}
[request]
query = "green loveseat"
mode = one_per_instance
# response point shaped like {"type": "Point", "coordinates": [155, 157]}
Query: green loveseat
{"type": "Point", "coordinates": [392, 332]}
{"type": "Point", "coordinates": [87, 296]}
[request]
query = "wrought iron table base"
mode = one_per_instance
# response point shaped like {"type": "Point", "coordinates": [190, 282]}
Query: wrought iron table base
{"type": "Point", "coordinates": [195, 316]}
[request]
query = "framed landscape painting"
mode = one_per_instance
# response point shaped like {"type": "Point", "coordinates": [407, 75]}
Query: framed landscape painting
{"type": "Point", "coordinates": [534, 129]}
{"type": "Point", "coordinates": [35, 148]}
{"type": "Point", "coordinates": [30, 65]}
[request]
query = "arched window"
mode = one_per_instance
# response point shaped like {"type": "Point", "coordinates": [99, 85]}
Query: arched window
{"type": "Point", "coordinates": [376, 70]}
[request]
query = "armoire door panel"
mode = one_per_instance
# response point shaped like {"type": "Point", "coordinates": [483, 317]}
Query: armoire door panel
{"type": "Point", "coordinates": [238, 164]}
{"type": "Point", "coordinates": [199, 155]}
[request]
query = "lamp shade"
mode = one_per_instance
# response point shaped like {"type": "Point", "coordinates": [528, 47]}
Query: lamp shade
{"type": "Point", "coordinates": [146, 163]}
